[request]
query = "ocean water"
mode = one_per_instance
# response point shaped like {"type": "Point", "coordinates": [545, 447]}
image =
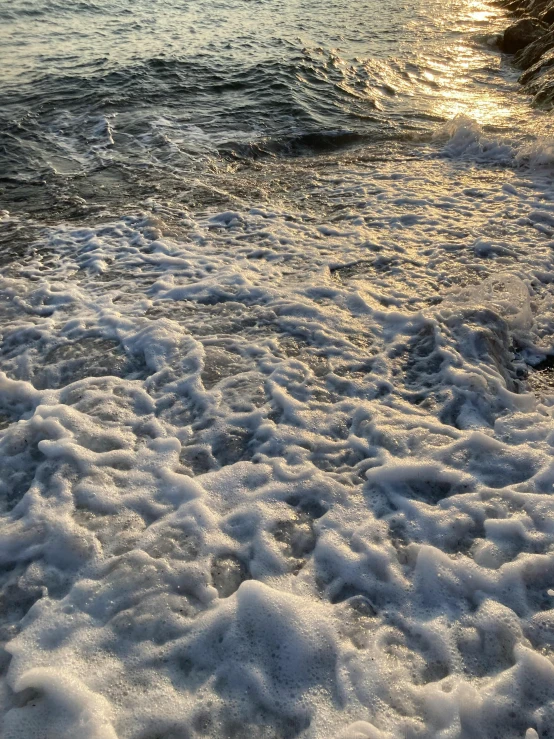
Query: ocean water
{"type": "Point", "coordinates": [276, 373]}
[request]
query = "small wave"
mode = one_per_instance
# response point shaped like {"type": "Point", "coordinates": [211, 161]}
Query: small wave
{"type": "Point", "coordinates": [538, 153]}
{"type": "Point", "coordinates": [464, 138]}
{"type": "Point", "coordinates": [20, 10]}
{"type": "Point", "coordinates": [316, 142]}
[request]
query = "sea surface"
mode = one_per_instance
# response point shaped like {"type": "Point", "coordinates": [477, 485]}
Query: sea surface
{"type": "Point", "coordinates": [276, 373]}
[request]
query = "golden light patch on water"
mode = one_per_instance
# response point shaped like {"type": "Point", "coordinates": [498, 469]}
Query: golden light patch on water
{"type": "Point", "coordinates": [480, 16]}
{"type": "Point", "coordinates": [483, 111]}
{"type": "Point", "coordinates": [453, 73]}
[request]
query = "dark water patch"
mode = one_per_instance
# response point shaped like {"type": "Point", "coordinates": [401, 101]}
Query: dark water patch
{"type": "Point", "coordinates": [318, 142]}
{"type": "Point", "coordinates": [351, 271]}
{"type": "Point", "coordinates": [423, 360]}
{"type": "Point", "coordinates": [308, 505]}
{"type": "Point", "coordinates": [540, 376]}
{"type": "Point", "coordinates": [228, 572]}
{"type": "Point", "coordinates": [87, 357]}
{"type": "Point", "coordinates": [16, 238]}
{"type": "Point", "coordinates": [297, 536]}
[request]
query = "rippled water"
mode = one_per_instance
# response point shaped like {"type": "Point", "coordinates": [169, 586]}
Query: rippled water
{"type": "Point", "coordinates": [276, 386]}
{"type": "Point", "coordinates": [157, 89]}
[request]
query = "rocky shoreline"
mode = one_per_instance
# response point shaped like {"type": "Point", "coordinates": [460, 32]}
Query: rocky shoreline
{"type": "Point", "coordinates": [530, 38]}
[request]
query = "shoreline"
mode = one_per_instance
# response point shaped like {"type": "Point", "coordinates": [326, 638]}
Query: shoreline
{"type": "Point", "coordinates": [529, 39]}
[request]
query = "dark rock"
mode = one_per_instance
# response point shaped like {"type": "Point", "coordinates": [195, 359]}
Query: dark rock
{"type": "Point", "coordinates": [547, 15]}
{"type": "Point", "coordinates": [535, 7]}
{"type": "Point", "coordinates": [535, 73]}
{"type": "Point", "coordinates": [532, 40]}
{"type": "Point", "coordinates": [521, 34]}
{"type": "Point", "coordinates": [544, 92]}
{"type": "Point", "coordinates": [517, 7]}
{"type": "Point", "coordinates": [531, 54]}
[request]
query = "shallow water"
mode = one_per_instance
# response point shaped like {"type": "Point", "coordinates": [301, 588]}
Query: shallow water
{"type": "Point", "coordinates": [275, 374]}
{"type": "Point", "coordinates": [133, 96]}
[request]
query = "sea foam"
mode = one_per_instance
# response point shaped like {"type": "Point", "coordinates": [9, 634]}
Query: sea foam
{"type": "Point", "coordinates": [267, 472]}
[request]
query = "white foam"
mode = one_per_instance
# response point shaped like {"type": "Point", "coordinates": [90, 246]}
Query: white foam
{"type": "Point", "coordinates": [465, 138]}
{"type": "Point", "coordinates": [537, 153]}
{"type": "Point", "coordinates": [281, 473]}
{"type": "Point", "coordinates": [505, 294]}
